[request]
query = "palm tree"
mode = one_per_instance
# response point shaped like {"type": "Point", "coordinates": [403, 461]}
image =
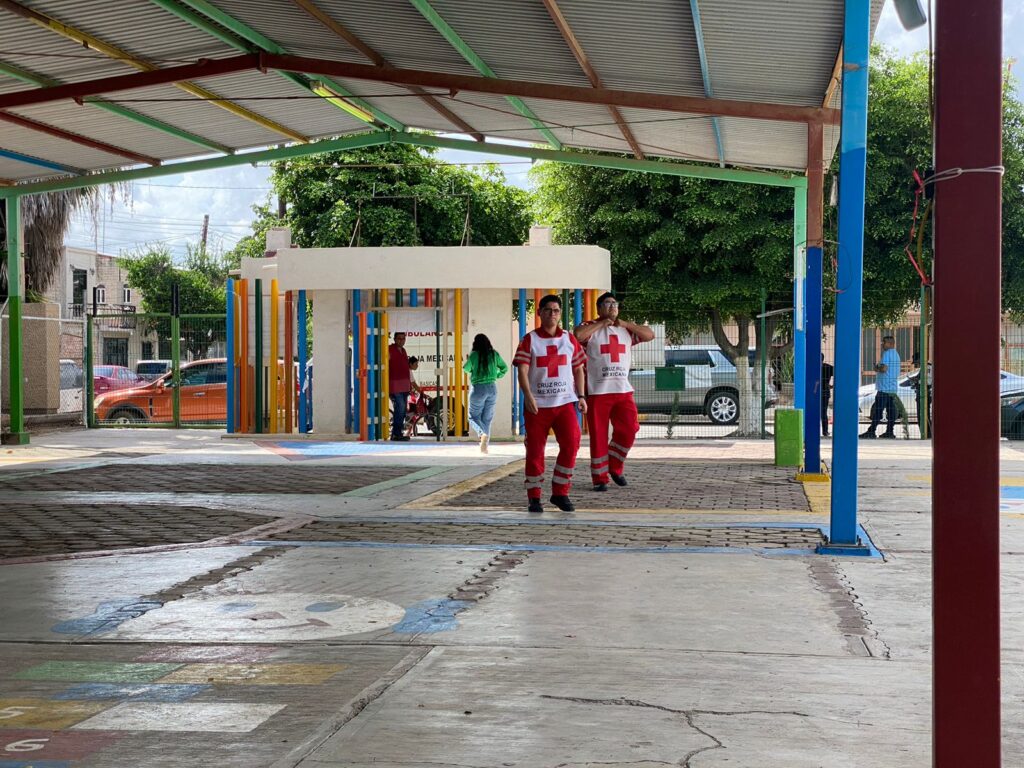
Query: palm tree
{"type": "Point", "coordinates": [46, 218]}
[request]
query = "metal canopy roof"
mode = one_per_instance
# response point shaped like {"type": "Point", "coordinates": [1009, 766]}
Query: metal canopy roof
{"type": "Point", "coordinates": [731, 83]}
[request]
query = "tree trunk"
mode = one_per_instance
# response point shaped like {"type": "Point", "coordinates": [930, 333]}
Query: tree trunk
{"type": "Point", "coordinates": [748, 379]}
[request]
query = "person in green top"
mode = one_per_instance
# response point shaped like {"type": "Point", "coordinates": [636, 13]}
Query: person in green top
{"type": "Point", "coordinates": [484, 367]}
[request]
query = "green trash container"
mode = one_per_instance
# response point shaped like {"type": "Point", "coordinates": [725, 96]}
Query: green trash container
{"type": "Point", "coordinates": [789, 437]}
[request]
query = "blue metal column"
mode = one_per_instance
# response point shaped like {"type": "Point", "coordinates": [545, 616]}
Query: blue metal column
{"type": "Point", "coordinates": [414, 297]}
{"type": "Point", "coordinates": [812, 411]}
{"type": "Point", "coordinates": [229, 298]}
{"type": "Point", "coordinates": [799, 297]}
{"type": "Point", "coordinates": [852, 166]}
{"type": "Point", "coordinates": [577, 307]}
{"type": "Point", "coordinates": [522, 332]}
{"type": "Point", "coordinates": [812, 298]}
{"type": "Point", "coordinates": [373, 396]}
{"type": "Point", "coordinates": [304, 383]}
{"type": "Point", "coordinates": [357, 345]}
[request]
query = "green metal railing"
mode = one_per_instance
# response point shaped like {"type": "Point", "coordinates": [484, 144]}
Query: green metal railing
{"type": "Point", "coordinates": [184, 384]}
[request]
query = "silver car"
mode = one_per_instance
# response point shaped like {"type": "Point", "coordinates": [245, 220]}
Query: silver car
{"type": "Point", "coordinates": [711, 385]}
{"type": "Point", "coordinates": [906, 390]}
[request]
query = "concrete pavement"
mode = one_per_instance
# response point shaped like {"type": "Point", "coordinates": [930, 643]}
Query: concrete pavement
{"type": "Point", "coordinates": [284, 604]}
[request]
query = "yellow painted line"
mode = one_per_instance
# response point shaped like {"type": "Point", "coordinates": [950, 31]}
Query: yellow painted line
{"type": "Point", "coordinates": [1010, 482]}
{"type": "Point", "coordinates": [607, 511]}
{"type": "Point", "coordinates": [438, 498]}
{"type": "Point", "coordinates": [254, 674]}
{"type": "Point", "coordinates": [819, 496]}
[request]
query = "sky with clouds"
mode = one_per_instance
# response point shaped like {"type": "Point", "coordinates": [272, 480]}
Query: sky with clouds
{"type": "Point", "coordinates": [170, 210]}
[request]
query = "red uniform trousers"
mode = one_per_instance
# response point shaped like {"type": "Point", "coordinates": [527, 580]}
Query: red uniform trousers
{"type": "Point", "coordinates": [562, 419]}
{"type": "Point", "coordinates": [620, 409]}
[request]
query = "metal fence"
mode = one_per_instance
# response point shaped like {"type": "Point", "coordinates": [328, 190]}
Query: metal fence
{"type": "Point", "coordinates": [53, 365]}
{"type": "Point", "coordinates": [156, 370]}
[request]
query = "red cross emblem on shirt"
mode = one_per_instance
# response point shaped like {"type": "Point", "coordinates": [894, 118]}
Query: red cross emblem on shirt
{"type": "Point", "coordinates": [613, 348]}
{"type": "Point", "coordinates": [552, 361]}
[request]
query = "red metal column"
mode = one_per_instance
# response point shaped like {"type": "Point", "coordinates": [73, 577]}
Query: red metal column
{"type": "Point", "coordinates": [965, 491]}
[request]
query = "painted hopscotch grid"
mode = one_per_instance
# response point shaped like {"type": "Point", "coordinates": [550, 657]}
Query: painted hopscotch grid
{"type": "Point", "coordinates": [59, 712]}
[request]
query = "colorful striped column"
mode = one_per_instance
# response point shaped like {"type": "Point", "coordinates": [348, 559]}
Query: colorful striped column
{"type": "Point", "coordinates": [304, 384]}
{"type": "Point", "coordinates": [289, 362]}
{"type": "Point", "coordinates": [458, 375]}
{"type": "Point", "coordinates": [229, 325]}
{"type": "Point", "coordinates": [274, 414]}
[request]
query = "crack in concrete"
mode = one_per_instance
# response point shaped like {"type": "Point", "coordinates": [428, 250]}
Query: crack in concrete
{"type": "Point", "coordinates": [688, 714]}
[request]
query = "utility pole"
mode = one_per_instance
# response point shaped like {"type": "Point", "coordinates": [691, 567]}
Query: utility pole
{"type": "Point", "coordinates": [206, 229]}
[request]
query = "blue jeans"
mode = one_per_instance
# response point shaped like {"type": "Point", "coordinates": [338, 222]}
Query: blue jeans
{"type": "Point", "coordinates": [482, 399]}
{"type": "Point", "coordinates": [399, 402]}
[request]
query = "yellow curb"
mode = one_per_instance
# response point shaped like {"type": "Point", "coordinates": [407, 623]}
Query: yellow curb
{"type": "Point", "coordinates": [813, 477]}
{"type": "Point", "coordinates": [438, 498]}
{"type": "Point", "coordinates": [819, 496]}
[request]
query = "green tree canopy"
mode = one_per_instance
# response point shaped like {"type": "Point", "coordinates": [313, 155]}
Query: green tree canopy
{"type": "Point", "coordinates": [900, 142]}
{"type": "Point", "coordinates": [391, 195]}
{"type": "Point", "coordinates": [685, 248]}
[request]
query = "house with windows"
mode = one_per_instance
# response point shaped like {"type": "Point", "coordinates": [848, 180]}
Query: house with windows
{"type": "Point", "coordinates": [88, 277]}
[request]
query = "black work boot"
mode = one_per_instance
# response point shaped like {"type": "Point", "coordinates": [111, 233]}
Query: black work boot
{"type": "Point", "coordinates": [563, 503]}
{"type": "Point", "coordinates": [535, 506]}
{"type": "Point", "coordinates": [618, 479]}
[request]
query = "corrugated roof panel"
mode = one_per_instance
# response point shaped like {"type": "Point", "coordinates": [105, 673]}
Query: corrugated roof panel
{"type": "Point", "coordinates": [100, 125]}
{"type": "Point", "coordinates": [292, 28]}
{"type": "Point", "coordinates": [580, 123]}
{"type": "Point", "coordinates": [492, 115]}
{"type": "Point", "coordinates": [673, 134]}
{"type": "Point", "coordinates": [47, 53]}
{"type": "Point", "coordinates": [517, 39]}
{"type": "Point", "coordinates": [46, 147]}
{"type": "Point", "coordinates": [285, 102]}
{"type": "Point", "coordinates": [13, 170]}
{"type": "Point", "coordinates": [781, 54]}
{"type": "Point", "coordinates": [639, 47]}
{"type": "Point", "coordinates": [757, 50]}
{"type": "Point", "coordinates": [139, 27]}
{"type": "Point", "coordinates": [745, 142]}
{"type": "Point", "coordinates": [167, 103]}
{"type": "Point", "coordinates": [399, 33]}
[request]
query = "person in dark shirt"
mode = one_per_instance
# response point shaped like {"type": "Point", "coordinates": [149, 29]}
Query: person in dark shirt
{"type": "Point", "coordinates": [827, 372]}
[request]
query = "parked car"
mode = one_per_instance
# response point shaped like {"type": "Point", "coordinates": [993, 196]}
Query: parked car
{"type": "Point", "coordinates": [71, 375]}
{"type": "Point", "coordinates": [202, 398]}
{"type": "Point", "coordinates": [711, 384]}
{"type": "Point", "coordinates": [1009, 383]}
{"type": "Point", "coordinates": [110, 377]}
{"type": "Point", "coordinates": [1011, 415]}
{"type": "Point", "coordinates": [152, 369]}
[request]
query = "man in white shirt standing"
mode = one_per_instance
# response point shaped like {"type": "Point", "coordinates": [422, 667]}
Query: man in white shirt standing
{"type": "Point", "coordinates": [608, 342]}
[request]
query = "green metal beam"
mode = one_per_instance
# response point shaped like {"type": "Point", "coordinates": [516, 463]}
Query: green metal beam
{"type": "Point", "coordinates": [242, 37]}
{"type": "Point", "coordinates": [15, 376]}
{"type": "Point", "coordinates": [616, 162]}
{"type": "Point", "coordinates": [279, 153]}
{"type": "Point", "coordinates": [460, 45]}
{"type": "Point", "coordinates": [47, 82]}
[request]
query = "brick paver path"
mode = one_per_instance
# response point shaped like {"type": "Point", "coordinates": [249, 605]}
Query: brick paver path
{"type": "Point", "coordinates": [207, 478]}
{"type": "Point", "coordinates": [659, 484]}
{"type": "Point", "coordinates": [30, 529]}
{"type": "Point", "coordinates": [522, 536]}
